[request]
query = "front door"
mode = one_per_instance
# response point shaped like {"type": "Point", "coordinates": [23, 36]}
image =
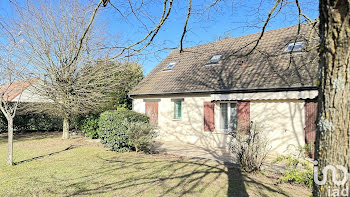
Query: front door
{"type": "Point", "coordinates": [152, 112]}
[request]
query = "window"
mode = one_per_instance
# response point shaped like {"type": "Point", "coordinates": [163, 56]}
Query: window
{"type": "Point", "coordinates": [215, 59]}
{"type": "Point", "coordinates": [170, 66]}
{"type": "Point", "coordinates": [177, 110]}
{"type": "Point", "coordinates": [228, 117]}
{"type": "Point", "coordinates": [295, 46]}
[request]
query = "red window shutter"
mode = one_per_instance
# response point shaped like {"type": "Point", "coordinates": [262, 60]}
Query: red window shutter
{"type": "Point", "coordinates": [209, 124]}
{"type": "Point", "coordinates": [152, 112]}
{"type": "Point", "coordinates": [310, 124]}
{"type": "Point", "coordinates": [243, 115]}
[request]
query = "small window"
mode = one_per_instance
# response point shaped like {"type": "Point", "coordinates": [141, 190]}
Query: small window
{"type": "Point", "coordinates": [170, 66]}
{"type": "Point", "coordinates": [228, 117]}
{"type": "Point", "coordinates": [177, 110]}
{"type": "Point", "coordinates": [215, 59]}
{"type": "Point", "coordinates": [295, 46]}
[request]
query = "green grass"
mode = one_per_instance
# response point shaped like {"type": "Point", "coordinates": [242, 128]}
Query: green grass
{"type": "Point", "coordinates": [49, 166]}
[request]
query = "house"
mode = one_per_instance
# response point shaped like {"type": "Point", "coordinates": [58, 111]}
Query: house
{"type": "Point", "coordinates": [22, 91]}
{"type": "Point", "coordinates": [207, 92]}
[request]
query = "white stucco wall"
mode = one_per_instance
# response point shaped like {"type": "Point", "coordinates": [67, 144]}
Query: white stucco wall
{"type": "Point", "coordinates": [138, 105]}
{"type": "Point", "coordinates": [190, 128]}
{"type": "Point", "coordinates": [282, 120]}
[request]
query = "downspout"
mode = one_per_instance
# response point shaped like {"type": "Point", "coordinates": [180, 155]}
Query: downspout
{"type": "Point", "coordinates": [132, 101]}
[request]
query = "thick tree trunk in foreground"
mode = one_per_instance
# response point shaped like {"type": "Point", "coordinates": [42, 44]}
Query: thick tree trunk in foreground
{"type": "Point", "coordinates": [10, 140]}
{"type": "Point", "coordinates": [333, 124]}
{"type": "Point", "coordinates": [65, 134]}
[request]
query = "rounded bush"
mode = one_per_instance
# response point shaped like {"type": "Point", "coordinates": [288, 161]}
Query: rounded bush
{"type": "Point", "coordinates": [113, 128]}
{"type": "Point", "coordinates": [89, 126]}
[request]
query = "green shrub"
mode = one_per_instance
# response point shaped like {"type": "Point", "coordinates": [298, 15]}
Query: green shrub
{"type": "Point", "coordinates": [89, 126]}
{"type": "Point", "coordinates": [140, 135]}
{"type": "Point", "coordinates": [37, 122]}
{"type": "Point", "coordinates": [297, 171]}
{"type": "Point", "coordinates": [32, 122]}
{"type": "Point", "coordinates": [113, 128]}
{"type": "Point", "coordinates": [76, 122]}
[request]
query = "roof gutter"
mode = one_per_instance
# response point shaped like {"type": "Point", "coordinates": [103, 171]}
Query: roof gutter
{"type": "Point", "coordinates": [230, 91]}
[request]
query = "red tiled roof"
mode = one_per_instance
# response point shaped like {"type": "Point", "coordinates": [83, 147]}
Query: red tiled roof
{"type": "Point", "coordinates": [16, 88]}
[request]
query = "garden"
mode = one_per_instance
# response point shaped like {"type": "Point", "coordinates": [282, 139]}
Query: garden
{"type": "Point", "coordinates": [123, 162]}
{"type": "Point", "coordinates": [46, 165]}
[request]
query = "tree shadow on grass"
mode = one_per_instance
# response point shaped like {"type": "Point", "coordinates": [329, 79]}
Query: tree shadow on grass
{"type": "Point", "coordinates": [262, 188]}
{"type": "Point", "coordinates": [136, 176]}
{"type": "Point", "coordinates": [46, 155]}
{"type": "Point", "coordinates": [236, 186]}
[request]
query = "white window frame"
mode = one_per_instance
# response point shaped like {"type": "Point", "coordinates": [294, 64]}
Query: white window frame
{"type": "Point", "coordinates": [172, 64]}
{"type": "Point", "coordinates": [215, 57]}
{"type": "Point", "coordinates": [226, 131]}
{"type": "Point", "coordinates": [295, 44]}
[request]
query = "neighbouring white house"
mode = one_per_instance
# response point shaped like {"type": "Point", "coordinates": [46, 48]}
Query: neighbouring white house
{"type": "Point", "coordinates": [202, 94]}
{"type": "Point", "coordinates": [23, 91]}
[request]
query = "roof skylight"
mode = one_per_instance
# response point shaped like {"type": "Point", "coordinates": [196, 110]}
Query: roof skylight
{"type": "Point", "coordinates": [295, 46]}
{"type": "Point", "coordinates": [215, 59]}
{"type": "Point", "coordinates": [170, 66]}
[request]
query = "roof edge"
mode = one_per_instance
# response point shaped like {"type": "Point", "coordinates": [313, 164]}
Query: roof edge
{"type": "Point", "coordinates": [231, 91]}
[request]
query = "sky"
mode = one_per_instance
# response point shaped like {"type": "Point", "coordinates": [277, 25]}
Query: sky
{"type": "Point", "coordinates": [230, 18]}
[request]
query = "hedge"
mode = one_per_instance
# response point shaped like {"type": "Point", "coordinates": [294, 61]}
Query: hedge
{"type": "Point", "coordinates": [113, 128]}
{"type": "Point", "coordinates": [32, 122]}
{"type": "Point", "coordinates": [89, 126]}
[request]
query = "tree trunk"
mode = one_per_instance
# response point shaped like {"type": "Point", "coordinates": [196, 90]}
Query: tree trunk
{"type": "Point", "coordinates": [65, 134]}
{"type": "Point", "coordinates": [10, 140]}
{"type": "Point", "coordinates": [333, 121]}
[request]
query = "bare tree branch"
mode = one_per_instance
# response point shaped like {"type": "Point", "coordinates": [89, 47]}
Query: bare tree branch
{"type": "Point", "coordinates": [264, 27]}
{"type": "Point", "coordinates": [300, 13]}
{"type": "Point", "coordinates": [185, 26]}
{"type": "Point", "coordinates": [86, 30]}
{"type": "Point", "coordinates": [118, 10]}
{"type": "Point", "coordinates": [153, 32]}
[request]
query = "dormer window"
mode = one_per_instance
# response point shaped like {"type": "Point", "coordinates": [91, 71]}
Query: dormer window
{"type": "Point", "coordinates": [215, 59]}
{"type": "Point", "coordinates": [295, 46]}
{"type": "Point", "coordinates": [170, 66]}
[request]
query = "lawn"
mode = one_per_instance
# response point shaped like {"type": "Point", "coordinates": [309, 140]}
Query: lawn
{"type": "Point", "coordinates": [49, 166]}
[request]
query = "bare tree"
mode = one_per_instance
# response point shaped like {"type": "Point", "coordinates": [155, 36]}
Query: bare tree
{"type": "Point", "coordinates": [63, 52]}
{"type": "Point", "coordinates": [11, 70]}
